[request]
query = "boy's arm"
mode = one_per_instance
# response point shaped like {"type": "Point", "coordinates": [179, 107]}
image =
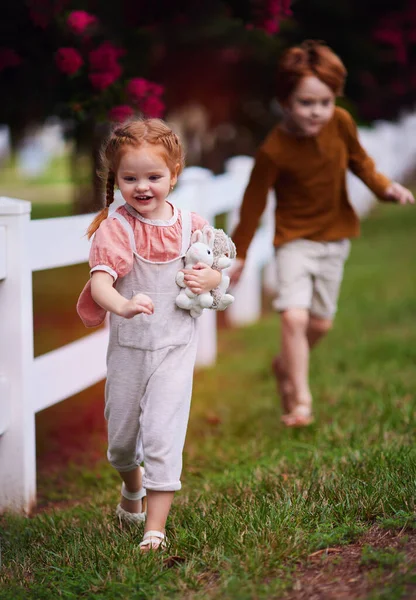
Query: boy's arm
{"type": "Point", "coordinates": [262, 178]}
{"type": "Point", "coordinates": [364, 167]}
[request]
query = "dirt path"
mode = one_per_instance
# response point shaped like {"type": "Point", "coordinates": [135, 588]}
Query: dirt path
{"type": "Point", "coordinates": [381, 562]}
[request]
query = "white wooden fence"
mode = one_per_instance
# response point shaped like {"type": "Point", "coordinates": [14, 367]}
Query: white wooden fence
{"type": "Point", "coordinates": [28, 384]}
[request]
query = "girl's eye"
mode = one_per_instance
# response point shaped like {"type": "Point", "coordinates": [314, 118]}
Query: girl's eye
{"type": "Point", "coordinates": [326, 102]}
{"type": "Point", "coordinates": [154, 177]}
{"type": "Point", "coordinates": [305, 102]}
{"type": "Point", "coordinates": [129, 179]}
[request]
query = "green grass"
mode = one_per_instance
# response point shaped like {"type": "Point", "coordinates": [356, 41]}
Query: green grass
{"type": "Point", "coordinates": [256, 497]}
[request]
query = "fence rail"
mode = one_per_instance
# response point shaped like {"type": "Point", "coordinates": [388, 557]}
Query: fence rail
{"type": "Point", "coordinates": [28, 384]}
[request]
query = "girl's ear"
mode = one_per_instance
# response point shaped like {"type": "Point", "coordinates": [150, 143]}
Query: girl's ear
{"type": "Point", "coordinates": [174, 175]}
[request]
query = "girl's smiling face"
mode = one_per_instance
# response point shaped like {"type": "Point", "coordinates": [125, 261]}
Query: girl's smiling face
{"type": "Point", "coordinates": [145, 180]}
{"type": "Point", "coordinates": [309, 107]}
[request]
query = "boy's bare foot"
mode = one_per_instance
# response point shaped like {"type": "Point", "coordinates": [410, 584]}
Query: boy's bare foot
{"type": "Point", "coordinates": [284, 385]}
{"type": "Point", "coordinates": [297, 420]}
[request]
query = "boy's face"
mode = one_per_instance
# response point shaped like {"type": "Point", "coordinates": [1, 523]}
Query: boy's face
{"type": "Point", "coordinates": [310, 106]}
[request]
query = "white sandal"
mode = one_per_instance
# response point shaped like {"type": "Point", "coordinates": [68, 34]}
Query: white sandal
{"type": "Point", "coordinates": [125, 515]}
{"type": "Point", "coordinates": [153, 540]}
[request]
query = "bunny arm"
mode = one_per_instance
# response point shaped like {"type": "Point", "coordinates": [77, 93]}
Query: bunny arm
{"type": "Point", "coordinates": [180, 275]}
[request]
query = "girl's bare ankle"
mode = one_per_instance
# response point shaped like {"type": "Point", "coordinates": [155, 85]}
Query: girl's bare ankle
{"type": "Point", "coordinates": [132, 506]}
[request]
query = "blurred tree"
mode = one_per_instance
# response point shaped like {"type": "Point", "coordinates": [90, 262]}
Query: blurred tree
{"type": "Point", "coordinates": [93, 61]}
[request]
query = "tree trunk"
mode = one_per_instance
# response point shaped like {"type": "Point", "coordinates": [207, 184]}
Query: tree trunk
{"type": "Point", "coordinates": [85, 164]}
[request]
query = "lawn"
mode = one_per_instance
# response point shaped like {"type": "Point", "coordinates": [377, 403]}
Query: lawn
{"type": "Point", "coordinates": [264, 512]}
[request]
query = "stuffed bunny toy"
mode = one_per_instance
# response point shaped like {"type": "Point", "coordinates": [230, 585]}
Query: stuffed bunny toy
{"type": "Point", "coordinates": [224, 250]}
{"type": "Point", "coordinates": [199, 251]}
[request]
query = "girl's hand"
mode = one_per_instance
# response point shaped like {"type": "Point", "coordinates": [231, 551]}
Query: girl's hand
{"type": "Point", "coordinates": [140, 303]}
{"type": "Point", "coordinates": [201, 278]}
{"type": "Point", "coordinates": [399, 193]}
{"type": "Point", "coordinates": [237, 270]}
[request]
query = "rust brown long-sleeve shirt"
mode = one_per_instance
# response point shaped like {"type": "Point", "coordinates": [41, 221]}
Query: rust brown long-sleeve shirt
{"type": "Point", "coordinates": [308, 175]}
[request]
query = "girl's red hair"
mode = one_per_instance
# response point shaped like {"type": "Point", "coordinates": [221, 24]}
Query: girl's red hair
{"type": "Point", "coordinates": [312, 58]}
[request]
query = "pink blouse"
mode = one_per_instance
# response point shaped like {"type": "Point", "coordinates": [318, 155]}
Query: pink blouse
{"type": "Point", "coordinates": [157, 241]}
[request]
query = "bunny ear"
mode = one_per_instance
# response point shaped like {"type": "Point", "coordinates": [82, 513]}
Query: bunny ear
{"type": "Point", "coordinates": [210, 236]}
{"type": "Point", "coordinates": [196, 236]}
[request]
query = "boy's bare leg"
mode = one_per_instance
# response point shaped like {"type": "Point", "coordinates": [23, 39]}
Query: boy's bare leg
{"type": "Point", "coordinates": [133, 482]}
{"type": "Point", "coordinates": [295, 349]}
{"type": "Point", "coordinates": [284, 384]}
{"type": "Point", "coordinates": [317, 329]}
{"type": "Point", "coordinates": [300, 332]}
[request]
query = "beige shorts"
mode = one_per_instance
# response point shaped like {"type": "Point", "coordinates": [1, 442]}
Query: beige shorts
{"type": "Point", "coordinates": [309, 275]}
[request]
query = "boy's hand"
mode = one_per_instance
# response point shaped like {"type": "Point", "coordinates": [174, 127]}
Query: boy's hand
{"type": "Point", "coordinates": [140, 303]}
{"type": "Point", "coordinates": [237, 270]}
{"type": "Point", "coordinates": [201, 278]}
{"type": "Point", "coordinates": [399, 193]}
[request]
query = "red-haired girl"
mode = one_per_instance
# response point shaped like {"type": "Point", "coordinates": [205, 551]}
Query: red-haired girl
{"type": "Point", "coordinates": [305, 159]}
{"type": "Point", "coordinates": [135, 255]}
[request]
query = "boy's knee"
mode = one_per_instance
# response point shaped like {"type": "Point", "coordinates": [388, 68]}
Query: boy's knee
{"type": "Point", "coordinates": [321, 326]}
{"type": "Point", "coordinates": [295, 319]}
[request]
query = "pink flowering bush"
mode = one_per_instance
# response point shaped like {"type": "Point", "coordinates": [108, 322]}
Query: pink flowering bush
{"type": "Point", "coordinates": [137, 88]}
{"type": "Point", "coordinates": [120, 113]}
{"type": "Point", "coordinates": [68, 60]}
{"type": "Point", "coordinates": [152, 106]}
{"type": "Point", "coordinates": [269, 13]}
{"type": "Point", "coordinates": [104, 58]}
{"type": "Point", "coordinates": [101, 81]}
{"type": "Point", "coordinates": [79, 20]}
{"type": "Point", "coordinates": [95, 77]}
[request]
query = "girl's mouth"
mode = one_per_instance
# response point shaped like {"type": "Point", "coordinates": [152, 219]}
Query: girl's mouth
{"type": "Point", "coordinates": [143, 198]}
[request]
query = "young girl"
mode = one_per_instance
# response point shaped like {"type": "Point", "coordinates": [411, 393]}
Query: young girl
{"type": "Point", "coordinates": [135, 256]}
{"type": "Point", "coordinates": [305, 159]}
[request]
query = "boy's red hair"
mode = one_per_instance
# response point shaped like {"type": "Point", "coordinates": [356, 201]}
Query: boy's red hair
{"type": "Point", "coordinates": [312, 58]}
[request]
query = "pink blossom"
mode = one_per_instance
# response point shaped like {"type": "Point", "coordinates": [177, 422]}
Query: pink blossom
{"type": "Point", "coordinates": [137, 88]}
{"type": "Point", "coordinates": [270, 26]}
{"type": "Point", "coordinates": [120, 113]}
{"type": "Point", "coordinates": [105, 57]}
{"type": "Point", "coordinates": [79, 20]}
{"type": "Point", "coordinates": [271, 13]}
{"type": "Point", "coordinates": [152, 106]}
{"type": "Point", "coordinates": [68, 60]}
{"type": "Point", "coordinates": [156, 89]}
{"type": "Point", "coordinates": [101, 81]}
{"type": "Point", "coordinates": [9, 58]}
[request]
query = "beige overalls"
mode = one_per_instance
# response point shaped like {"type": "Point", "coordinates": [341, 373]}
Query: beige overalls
{"type": "Point", "coordinates": [150, 365]}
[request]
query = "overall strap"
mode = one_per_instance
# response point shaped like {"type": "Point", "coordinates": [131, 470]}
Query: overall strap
{"type": "Point", "coordinates": [186, 230]}
{"type": "Point", "coordinates": [127, 227]}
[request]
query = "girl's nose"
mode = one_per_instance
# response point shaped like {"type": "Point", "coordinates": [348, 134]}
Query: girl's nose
{"type": "Point", "coordinates": [142, 185]}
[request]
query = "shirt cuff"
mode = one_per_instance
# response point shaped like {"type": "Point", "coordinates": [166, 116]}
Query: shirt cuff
{"type": "Point", "coordinates": [107, 269]}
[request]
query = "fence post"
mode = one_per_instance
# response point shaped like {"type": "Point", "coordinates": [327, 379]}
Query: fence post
{"type": "Point", "coordinates": [17, 437]}
{"type": "Point", "coordinates": [246, 307]}
{"type": "Point", "coordinates": [192, 195]}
